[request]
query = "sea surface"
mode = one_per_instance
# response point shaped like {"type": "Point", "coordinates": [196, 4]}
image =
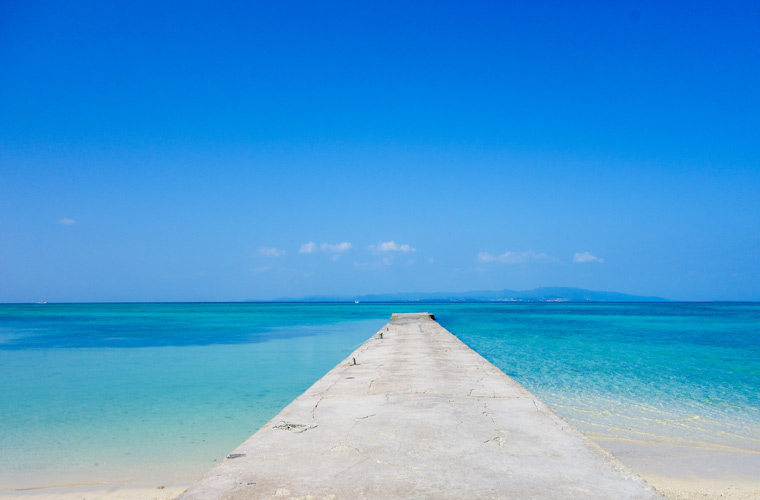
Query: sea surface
{"type": "Point", "coordinates": [158, 393]}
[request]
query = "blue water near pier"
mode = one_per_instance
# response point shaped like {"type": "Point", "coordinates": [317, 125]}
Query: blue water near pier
{"type": "Point", "coordinates": [142, 392]}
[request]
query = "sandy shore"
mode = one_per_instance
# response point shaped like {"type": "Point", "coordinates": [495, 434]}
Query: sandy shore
{"type": "Point", "coordinates": [99, 492]}
{"type": "Point", "coordinates": [699, 489]}
{"type": "Point", "coordinates": [678, 469]}
{"type": "Point", "coordinates": [673, 488]}
{"type": "Point", "coordinates": [691, 472]}
{"type": "Point", "coordinates": [679, 472]}
{"type": "Point", "coordinates": [683, 487]}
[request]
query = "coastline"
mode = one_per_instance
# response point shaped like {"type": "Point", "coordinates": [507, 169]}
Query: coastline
{"type": "Point", "coordinates": [99, 492]}
{"type": "Point", "coordinates": [700, 489]}
{"type": "Point", "coordinates": [678, 472]}
{"type": "Point", "coordinates": [659, 470]}
{"type": "Point", "coordinates": [684, 472]}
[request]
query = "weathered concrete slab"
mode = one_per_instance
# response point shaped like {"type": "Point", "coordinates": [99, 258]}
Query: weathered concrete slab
{"type": "Point", "coordinates": [419, 416]}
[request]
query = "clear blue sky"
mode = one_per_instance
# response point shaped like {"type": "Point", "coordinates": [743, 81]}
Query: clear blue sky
{"type": "Point", "coordinates": [230, 151]}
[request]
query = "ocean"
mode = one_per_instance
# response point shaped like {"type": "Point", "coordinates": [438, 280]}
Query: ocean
{"type": "Point", "coordinates": [158, 393]}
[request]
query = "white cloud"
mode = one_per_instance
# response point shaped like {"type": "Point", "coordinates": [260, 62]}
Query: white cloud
{"type": "Point", "coordinates": [391, 246]}
{"type": "Point", "coordinates": [582, 258]}
{"type": "Point", "coordinates": [271, 252]}
{"type": "Point", "coordinates": [67, 221]}
{"type": "Point", "coordinates": [515, 257]}
{"type": "Point", "coordinates": [308, 247]}
{"type": "Point", "coordinates": [338, 247]}
{"type": "Point", "coordinates": [312, 247]}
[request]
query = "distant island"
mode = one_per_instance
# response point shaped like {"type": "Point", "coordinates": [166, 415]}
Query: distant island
{"type": "Point", "coordinates": [544, 294]}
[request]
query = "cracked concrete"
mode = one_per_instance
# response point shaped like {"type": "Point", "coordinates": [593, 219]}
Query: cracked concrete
{"type": "Point", "coordinates": [419, 416]}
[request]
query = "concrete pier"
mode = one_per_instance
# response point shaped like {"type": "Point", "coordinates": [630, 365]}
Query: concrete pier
{"type": "Point", "coordinates": [416, 414]}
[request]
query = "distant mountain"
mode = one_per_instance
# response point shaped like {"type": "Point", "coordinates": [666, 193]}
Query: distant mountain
{"type": "Point", "coordinates": [544, 294]}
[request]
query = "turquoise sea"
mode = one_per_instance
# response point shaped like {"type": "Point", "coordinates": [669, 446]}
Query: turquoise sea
{"type": "Point", "coordinates": [157, 393]}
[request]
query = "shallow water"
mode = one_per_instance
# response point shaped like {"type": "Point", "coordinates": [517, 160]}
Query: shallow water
{"type": "Point", "coordinates": [149, 392]}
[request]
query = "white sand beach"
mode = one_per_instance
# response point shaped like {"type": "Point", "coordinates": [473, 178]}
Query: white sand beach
{"type": "Point", "coordinates": [99, 492]}
{"type": "Point", "coordinates": [691, 472]}
{"type": "Point", "coordinates": [680, 473]}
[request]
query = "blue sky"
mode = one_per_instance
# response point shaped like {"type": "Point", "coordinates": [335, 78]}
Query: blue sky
{"type": "Point", "coordinates": [197, 151]}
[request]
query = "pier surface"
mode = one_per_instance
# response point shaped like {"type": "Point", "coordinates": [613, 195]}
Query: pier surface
{"type": "Point", "coordinates": [416, 414]}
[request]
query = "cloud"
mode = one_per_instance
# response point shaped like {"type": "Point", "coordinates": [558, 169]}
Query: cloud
{"type": "Point", "coordinates": [312, 247]}
{"type": "Point", "coordinates": [338, 247]}
{"type": "Point", "coordinates": [271, 252]}
{"type": "Point", "coordinates": [262, 269]}
{"type": "Point", "coordinates": [391, 246]}
{"type": "Point", "coordinates": [515, 257]}
{"type": "Point", "coordinates": [308, 247]}
{"type": "Point", "coordinates": [583, 258]}
{"type": "Point", "coordinates": [66, 221]}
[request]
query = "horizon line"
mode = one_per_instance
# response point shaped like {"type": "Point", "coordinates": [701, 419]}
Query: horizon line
{"type": "Point", "coordinates": [505, 302]}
